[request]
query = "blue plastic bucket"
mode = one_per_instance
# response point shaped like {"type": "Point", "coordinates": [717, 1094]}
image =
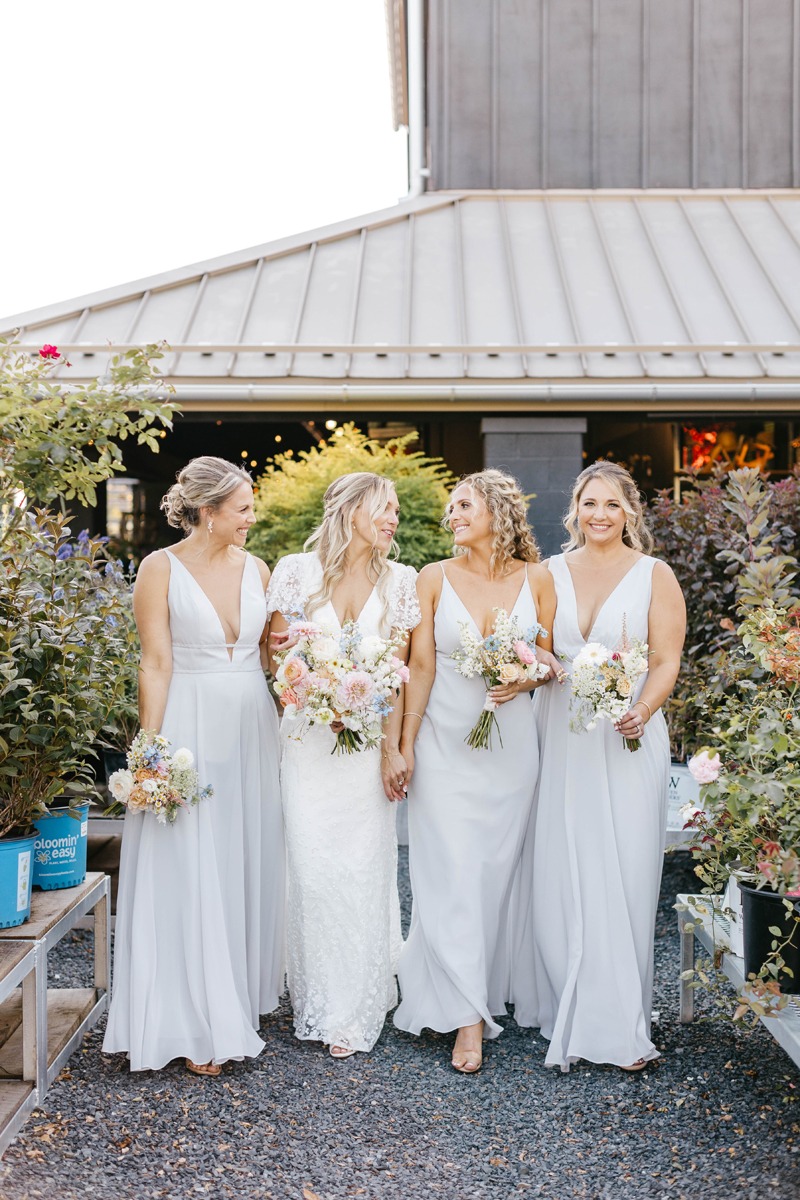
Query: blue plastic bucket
{"type": "Point", "coordinates": [16, 877]}
{"type": "Point", "coordinates": [59, 856]}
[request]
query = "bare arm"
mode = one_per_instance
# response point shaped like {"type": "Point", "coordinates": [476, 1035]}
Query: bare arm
{"type": "Point", "coordinates": [151, 611]}
{"type": "Point", "coordinates": [421, 663]}
{"type": "Point", "coordinates": [393, 764]}
{"type": "Point", "coordinates": [665, 634]}
{"type": "Point", "coordinates": [276, 624]}
{"type": "Point", "coordinates": [263, 571]}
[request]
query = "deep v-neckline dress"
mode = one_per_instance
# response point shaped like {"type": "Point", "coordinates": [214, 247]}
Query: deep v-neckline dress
{"type": "Point", "coordinates": [467, 815]}
{"type": "Point", "coordinates": [200, 912]}
{"type": "Point", "coordinates": [592, 862]}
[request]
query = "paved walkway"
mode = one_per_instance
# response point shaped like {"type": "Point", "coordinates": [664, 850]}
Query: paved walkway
{"type": "Point", "coordinates": [716, 1117]}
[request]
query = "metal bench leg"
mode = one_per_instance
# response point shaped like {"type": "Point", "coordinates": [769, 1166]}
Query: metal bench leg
{"type": "Point", "coordinates": [102, 942]}
{"type": "Point", "coordinates": [687, 964]}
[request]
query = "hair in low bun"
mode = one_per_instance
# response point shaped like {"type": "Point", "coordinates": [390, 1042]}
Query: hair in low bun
{"type": "Point", "coordinates": [205, 482]}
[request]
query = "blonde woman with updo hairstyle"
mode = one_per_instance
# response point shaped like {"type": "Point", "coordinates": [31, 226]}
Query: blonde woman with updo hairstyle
{"type": "Point", "coordinates": [343, 934]}
{"type": "Point", "coordinates": [585, 974]}
{"type": "Point", "coordinates": [200, 913]}
{"type": "Point", "coordinates": [468, 809]}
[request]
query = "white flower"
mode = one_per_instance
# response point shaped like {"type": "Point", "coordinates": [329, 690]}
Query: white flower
{"type": "Point", "coordinates": [121, 785]}
{"type": "Point", "coordinates": [593, 652]}
{"type": "Point", "coordinates": [324, 716]}
{"type": "Point", "coordinates": [325, 649]}
{"type": "Point", "coordinates": [183, 758]}
{"type": "Point", "coordinates": [687, 811]}
{"type": "Point", "coordinates": [150, 785]}
{"type": "Point", "coordinates": [371, 648]}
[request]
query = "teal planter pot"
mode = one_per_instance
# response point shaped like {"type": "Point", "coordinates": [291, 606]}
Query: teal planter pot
{"type": "Point", "coordinates": [59, 856]}
{"type": "Point", "coordinates": [16, 877]}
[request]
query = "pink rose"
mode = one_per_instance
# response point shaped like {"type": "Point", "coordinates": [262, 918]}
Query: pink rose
{"type": "Point", "coordinates": [294, 670]}
{"type": "Point", "coordinates": [404, 673]}
{"type": "Point", "coordinates": [705, 767]}
{"type": "Point", "coordinates": [524, 652]}
{"type": "Point", "coordinates": [287, 697]}
{"type": "Point", "coordinates": [48, 351]}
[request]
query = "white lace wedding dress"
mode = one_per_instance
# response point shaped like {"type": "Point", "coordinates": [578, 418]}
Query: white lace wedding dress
{"type": "Point", "coordinates": [343, 930]}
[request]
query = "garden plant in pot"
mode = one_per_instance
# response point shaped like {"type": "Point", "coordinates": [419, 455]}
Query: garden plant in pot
{"type": "Point", "coordinates": [750, 823]}
{"type": "Point", "coordinates": [63, 625]}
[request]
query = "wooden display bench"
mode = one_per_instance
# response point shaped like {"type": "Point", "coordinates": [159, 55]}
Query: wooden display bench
{"type": "Point", "coordinates": [711, 928]}
{"type": "Point", "coordinates": [40, 1026]}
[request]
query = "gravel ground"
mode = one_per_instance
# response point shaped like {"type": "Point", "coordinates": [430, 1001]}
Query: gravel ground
{"type": "Point", "coordinates": [714, 1118]}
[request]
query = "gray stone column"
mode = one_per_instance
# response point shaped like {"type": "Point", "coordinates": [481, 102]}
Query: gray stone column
{"type": "Point", "coordinates": [545, 454]}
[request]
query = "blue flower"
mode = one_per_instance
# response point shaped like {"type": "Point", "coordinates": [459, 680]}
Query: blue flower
{"type": "Point", "coordinates": [64, 552]}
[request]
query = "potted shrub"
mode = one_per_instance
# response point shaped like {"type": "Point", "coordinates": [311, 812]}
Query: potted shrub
{"type": "Point", "coordinates": [750, 821]}
{"type": "Point", "coordinates": [63, 639]}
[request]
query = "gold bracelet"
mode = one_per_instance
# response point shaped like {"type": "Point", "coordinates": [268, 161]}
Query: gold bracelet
{"type": "Point", "coordinates": [410, 714]}
{"type": "Point", "coordinates": [647, 706]}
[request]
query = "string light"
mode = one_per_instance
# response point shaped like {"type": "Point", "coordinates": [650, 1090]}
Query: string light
{"type": "Point", "coordinates": [330, 424]}
{"type": "Point", "coordinates": [278, 437]}
{"type": "Point", "coordinates": [245, 453]}
{"type": "Point", "coordinates": [253, 462]}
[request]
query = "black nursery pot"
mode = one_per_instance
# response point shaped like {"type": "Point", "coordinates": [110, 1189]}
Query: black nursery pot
{"type": "Point", "coordinates": [762, 908]}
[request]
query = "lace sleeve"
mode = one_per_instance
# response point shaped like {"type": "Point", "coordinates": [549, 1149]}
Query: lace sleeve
{"type": "Point", "coordinates": [404, 605]}
{"type": "Point", "coordinates": [287, 592]}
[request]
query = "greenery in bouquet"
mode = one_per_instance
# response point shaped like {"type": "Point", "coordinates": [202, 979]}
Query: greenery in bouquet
{"type": "Point", "coordinates": [289, 494]}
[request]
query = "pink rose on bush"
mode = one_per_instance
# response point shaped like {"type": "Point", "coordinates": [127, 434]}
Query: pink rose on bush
{"type": "Point", "coordinates": [48, 351]}
{"type": "Point", "coordinates": [524, 652]}
{"type": "Point", "coordinates": [705, 767]}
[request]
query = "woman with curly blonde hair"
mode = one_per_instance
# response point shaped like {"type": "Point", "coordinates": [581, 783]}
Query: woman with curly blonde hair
{"type": "Point", "coordinates": [468, 808]}
{"type": "Point", "coordinates": [594, 858]}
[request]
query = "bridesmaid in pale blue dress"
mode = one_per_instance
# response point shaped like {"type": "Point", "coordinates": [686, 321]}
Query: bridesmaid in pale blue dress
{"type": "Point", "coordinates": [199, 936]}
{"type": "Point", "coordinates": [592, 864]}
{"type": "Point", "coordinates": [468, 809]}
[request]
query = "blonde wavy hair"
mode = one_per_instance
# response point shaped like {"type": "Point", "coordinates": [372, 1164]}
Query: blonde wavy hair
{"type": "Point", "coordinates": [332, 537]}
{"type": "Point", "coordinates": [204, 482]}
{"type": "Point", "coordinates": [508, 516]}
{"type": "Point", "coordinates": [635, 534]}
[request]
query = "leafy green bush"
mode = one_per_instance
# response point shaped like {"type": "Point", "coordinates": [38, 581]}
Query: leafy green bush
{"type": "Point", "coordinates": [289, 495]}
{"type": "Point", "coordinates": [732, 543]}
{"type": "Point", "coordinates": [64, 651]}
{"type": "Point", "coordinates": [67, 646]}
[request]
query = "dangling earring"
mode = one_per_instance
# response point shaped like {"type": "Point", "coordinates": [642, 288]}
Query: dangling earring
{"type": "Point", "coordinates": [210, 526]}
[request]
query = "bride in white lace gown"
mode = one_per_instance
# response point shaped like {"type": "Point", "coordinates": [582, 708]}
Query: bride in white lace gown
{"type": "Point", "coordinates": [343, 932]}
{"type": "Point", "coordinates": [199, 937]}
{"type": "Point", "coordinates": [592, 866]}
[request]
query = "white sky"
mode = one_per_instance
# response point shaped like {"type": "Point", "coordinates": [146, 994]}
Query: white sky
{"type": "Point", "coordinates": [143, 135]}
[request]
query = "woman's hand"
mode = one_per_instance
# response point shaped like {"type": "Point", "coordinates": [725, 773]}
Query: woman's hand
{"type": "Point", "coordinates": [394, 773]}
{"type": "Point", "coordinates": [501, 693]}
{"type": "Point", "coordinates": [632, 724]}
{"type": "Point", "coordinates": [283, 640]}
{"type": "Point", "coordinates": [547, 659]}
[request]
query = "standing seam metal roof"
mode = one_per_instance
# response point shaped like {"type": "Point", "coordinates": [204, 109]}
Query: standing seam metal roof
{"type": "Point", "coordinates": [495, 286]}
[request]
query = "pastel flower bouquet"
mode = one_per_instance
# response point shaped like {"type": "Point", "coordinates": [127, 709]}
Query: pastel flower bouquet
{"type": "Point", "coordinates": [506, 656]}
{"type": "Point", "coordinates": [324, 678]}
{"type": "Point", "coordinates": [156, 781]}
{"type": "Point", "coordinates": [603, 682]}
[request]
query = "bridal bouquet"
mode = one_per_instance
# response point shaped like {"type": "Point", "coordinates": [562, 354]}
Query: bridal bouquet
{"type": "Point", "coordinates": [349, 677]}
{"type": "Point", "coordinates": [506, 656]}
{"type": "Point", "coordinates": [155, 780]}
{"type": "Point", "coordinates": [603, 682]}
